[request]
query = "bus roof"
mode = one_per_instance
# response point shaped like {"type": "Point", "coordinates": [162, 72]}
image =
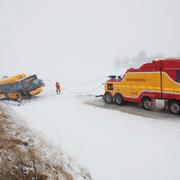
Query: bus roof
{"type": "Point", "coordinates": [13, 79]}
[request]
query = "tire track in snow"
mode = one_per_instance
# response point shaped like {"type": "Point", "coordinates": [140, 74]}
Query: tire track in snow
{"type": "Point", "coordinates": [134, 109]}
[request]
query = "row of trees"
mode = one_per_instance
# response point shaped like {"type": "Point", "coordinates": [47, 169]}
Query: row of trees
{"type": "Point", "coordinates": [133, 62]}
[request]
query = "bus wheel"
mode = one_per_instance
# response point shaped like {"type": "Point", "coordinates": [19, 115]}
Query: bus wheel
{"type": "Point", "coordinates": [174, 107]}
{"type": "Point", "coordinates": [118, 99]}
{"type": "Point", "coordinates": [7, 97]}
{"type": "Point", "coordinates": [108, 98]}
{"type": "Point", "coordinates": [147, 103]}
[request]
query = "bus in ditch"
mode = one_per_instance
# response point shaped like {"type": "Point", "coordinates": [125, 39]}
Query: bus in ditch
{"type": "Point", "coordinates": [20, 86]}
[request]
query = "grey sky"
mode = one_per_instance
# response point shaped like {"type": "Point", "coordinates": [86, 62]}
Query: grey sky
{"type": "Point", "coordinates": [55, 31]}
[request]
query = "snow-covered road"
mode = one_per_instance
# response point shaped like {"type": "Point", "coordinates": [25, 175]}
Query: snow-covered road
{"type": "Point", "coordinates": [113, 145]}
{"type": "Point", "coordinates": [134, 109]}
{"type": "Point", "coordinates": [75, 42]}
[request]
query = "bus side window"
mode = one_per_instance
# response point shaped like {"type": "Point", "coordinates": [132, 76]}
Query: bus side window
{"type": "Point", "coordinates": [178, 76]}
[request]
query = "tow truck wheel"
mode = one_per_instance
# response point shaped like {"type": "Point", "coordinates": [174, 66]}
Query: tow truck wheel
{"type": "Point", "coordinates": [118, 99]}
{"type": "Point", "coordinates": [108, 98]}
{"type": "Point", "coordinates": [147, 103]}
{"type": "Point", "coordinates": [174, 107]}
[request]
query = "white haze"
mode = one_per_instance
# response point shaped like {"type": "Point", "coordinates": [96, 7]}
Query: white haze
{"type": "Point", "coordinates": [56, 32]}
{"type": "Point", "coordinates": [78, 41]}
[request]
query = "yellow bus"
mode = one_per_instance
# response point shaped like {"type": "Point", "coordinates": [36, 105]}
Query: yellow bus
{"type": "Point", "coordinates": [20, 86]}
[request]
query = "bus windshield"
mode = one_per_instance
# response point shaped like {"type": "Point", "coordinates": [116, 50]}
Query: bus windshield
{"type": "Point", "coordinates": [31, 83]}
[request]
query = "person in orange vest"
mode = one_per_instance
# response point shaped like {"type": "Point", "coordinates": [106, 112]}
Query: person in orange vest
{"type": "Point", "coordinates": [58, 88]}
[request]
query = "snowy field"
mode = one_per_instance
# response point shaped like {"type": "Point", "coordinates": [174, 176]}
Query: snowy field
{"type": "Point", "coordinates": [76, 42]}
{"type": "Point", "coordinates": [113, 145]}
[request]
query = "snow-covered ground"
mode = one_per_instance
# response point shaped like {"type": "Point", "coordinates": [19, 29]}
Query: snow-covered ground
{"type": "Point", "coordinates": [113, 145]}
{"type": "Point", "coordinates": [76, 43]}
